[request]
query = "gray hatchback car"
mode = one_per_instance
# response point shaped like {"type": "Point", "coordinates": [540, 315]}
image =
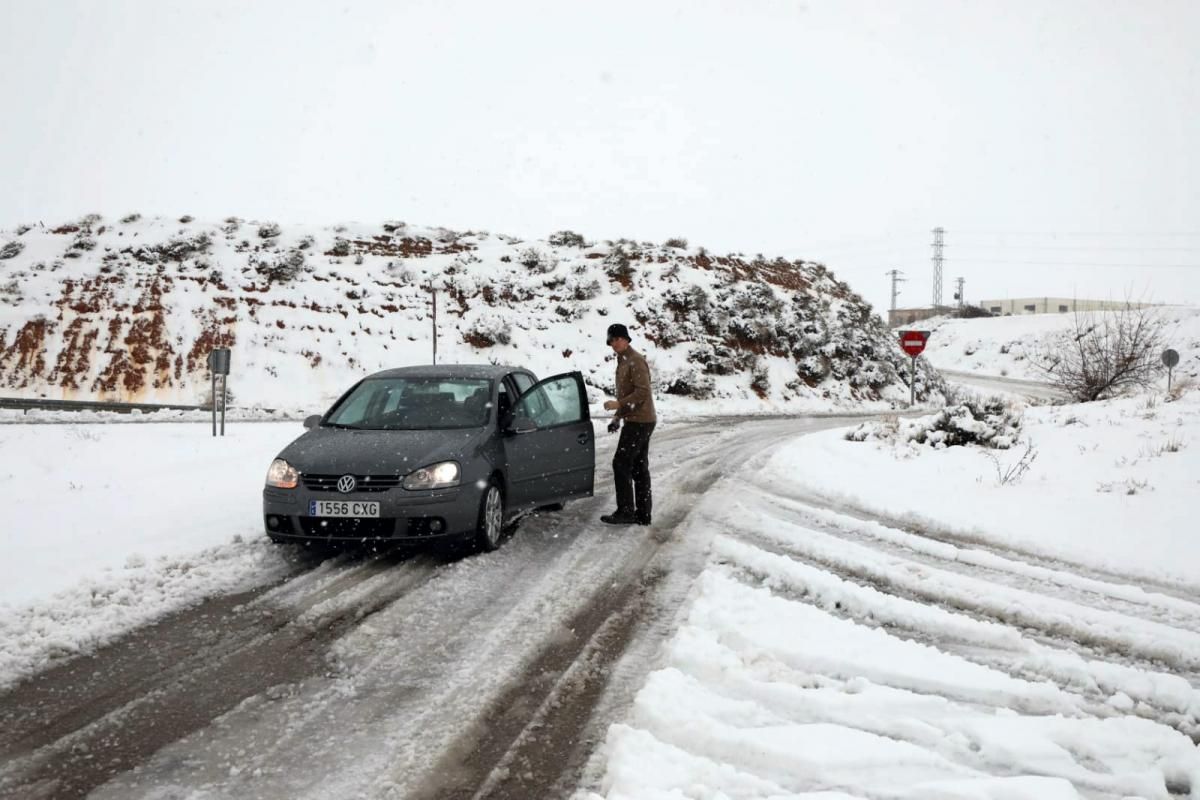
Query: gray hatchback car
{"type": "Point", "coordinates": [433, 453]}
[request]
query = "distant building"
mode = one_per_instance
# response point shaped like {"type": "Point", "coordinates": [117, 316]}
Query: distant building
{"type": "Point", "coordinates": [1051, 305]}
{"type": "Point", "coordinates": [909, 316]}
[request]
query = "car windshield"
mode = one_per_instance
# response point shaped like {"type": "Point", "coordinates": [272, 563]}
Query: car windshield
{"type": "Point", "coordinates": [414, 404]}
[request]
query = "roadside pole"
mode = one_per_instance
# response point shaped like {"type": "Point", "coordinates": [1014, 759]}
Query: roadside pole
{"type": "Point", "coordinates": [913, 343]}
{"type": "Point", "coordinates": [1170, 358]}
{"type": "Point", "coordinates": [433, 294]}
{"type": "Point", "coordinates": [912, 384]}
{"type": "Point", "coordinates": [218, 364]}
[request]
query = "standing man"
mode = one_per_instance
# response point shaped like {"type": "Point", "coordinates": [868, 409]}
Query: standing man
{"type": "Point", "coordinates": [635, 407]}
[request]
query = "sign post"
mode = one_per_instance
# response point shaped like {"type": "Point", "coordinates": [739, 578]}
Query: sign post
{"type": "Point", "coordinates": [218, 364]}
{"type": "Point", "coordinates": [913, 343]}
{"type": "Point", "coordinates": [1170, 358]}
{"type": "Point", "coordinates": [433, 295]}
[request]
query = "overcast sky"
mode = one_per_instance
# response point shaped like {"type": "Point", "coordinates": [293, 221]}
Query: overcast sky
{"type": "Point", "coordinates": [1056, 142]}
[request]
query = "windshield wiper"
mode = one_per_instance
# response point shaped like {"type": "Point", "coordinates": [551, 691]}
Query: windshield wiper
{"type": "Point", "coordinates": [342, 427]}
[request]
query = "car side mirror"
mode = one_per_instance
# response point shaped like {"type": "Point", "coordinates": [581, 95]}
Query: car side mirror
{"type": "Point", "coordinates": [313, 421]}
{"type": "Point", "coordinates": [522, 425]}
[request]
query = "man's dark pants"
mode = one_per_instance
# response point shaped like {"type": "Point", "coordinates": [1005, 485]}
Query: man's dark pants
{"type": "Point", "coordinates": [631, 468]}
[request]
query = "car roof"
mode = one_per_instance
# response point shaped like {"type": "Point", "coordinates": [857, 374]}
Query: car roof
{"type": "Point", "coordinates": [488, 371]}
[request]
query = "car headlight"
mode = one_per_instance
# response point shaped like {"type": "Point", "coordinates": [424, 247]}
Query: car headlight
{"type": "Point", "coordinates": [282, 475]}
{"type": "Point", "coordinates": [435, 476]}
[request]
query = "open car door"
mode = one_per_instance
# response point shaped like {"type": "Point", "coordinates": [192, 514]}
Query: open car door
{"type": "Point", "coordinates": [550, 445]}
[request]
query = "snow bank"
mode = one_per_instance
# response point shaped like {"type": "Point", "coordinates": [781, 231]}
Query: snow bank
{"type": "Point", "coordinates": [107, 527]}
{"type": "Point", "coordinates": [1112, 487]}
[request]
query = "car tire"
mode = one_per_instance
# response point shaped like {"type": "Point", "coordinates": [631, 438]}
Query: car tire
{"type": "Point", "coordinates": [490, 528]}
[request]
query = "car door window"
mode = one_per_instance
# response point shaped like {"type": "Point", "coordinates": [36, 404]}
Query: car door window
{"type": "Point", "coordinates": [555, 401]}
{"type": "Point", "coordinates": [504, 403]}
{"type": "Point", "coordinates": [523, 382]}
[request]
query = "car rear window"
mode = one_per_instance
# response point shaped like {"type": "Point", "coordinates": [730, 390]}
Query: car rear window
{"type": "Point", "coordinates": [409, 404]}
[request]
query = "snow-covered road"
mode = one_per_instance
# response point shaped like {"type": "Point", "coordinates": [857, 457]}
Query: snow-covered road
{"type": "Point", "coordinates": [760, 640]}
{"type": "Point", "coordinates": [388, 675]}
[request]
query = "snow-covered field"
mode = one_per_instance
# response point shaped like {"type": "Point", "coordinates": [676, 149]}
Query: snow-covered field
{"type": "Point", "coordinates": [886, 620]}
{"type": "Point", "coordinates": [1007, 346]}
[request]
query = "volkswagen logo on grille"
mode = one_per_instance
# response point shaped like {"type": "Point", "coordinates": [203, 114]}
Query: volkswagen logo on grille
{"type": "Point", "coordinates": [346, 484]}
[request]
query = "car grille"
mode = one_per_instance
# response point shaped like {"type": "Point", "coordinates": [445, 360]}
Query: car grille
{"type": "Point", "coordinates": [337, 528]}
{"type": "Point", "coordinates": [366, 483]}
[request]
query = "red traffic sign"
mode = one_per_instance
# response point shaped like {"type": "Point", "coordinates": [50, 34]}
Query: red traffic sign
{"type": "Point", "coordinates": [913, 342]}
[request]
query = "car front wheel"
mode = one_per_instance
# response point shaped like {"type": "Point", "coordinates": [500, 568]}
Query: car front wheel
{"type": "Point", "coordinates": [491, 518]}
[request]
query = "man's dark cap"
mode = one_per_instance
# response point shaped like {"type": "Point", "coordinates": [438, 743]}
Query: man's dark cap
{"type": "Point", "coordinates": [619, 331]}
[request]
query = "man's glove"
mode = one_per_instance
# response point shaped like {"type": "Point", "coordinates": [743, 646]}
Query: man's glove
{"type": "Point", "coordinates": [614, 426]}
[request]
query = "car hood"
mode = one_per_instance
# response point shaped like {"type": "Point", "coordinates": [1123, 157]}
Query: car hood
{"type": "Point", "coordinates": [338, 451]}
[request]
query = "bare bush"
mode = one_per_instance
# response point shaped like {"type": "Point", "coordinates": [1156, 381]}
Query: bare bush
{"type": "Point", "coordinates": [11, 249]}
{"type": "Point", "coordinates": [1012, 473]}
{"type": "Point", "coordinates": [129, 219]}
{"type": "Point", "coordinates": [1106, 354]}
{"type": "Point", "coordinates": [678, 243]}
{"type": "Point", "coordinates": [268, 230]}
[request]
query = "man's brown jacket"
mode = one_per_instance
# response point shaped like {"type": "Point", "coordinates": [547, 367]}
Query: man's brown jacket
{"type": "Point", "coordinates": [633, 388]}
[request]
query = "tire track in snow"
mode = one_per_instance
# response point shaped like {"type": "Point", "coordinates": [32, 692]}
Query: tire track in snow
{"type": "Point", "coordinates": [68, 730]}
{"type": "Point", "coordinates": [1105, 670]}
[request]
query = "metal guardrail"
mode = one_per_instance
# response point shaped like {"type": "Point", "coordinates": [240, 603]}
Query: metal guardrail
{"type": "Point", "coordinates": [39, 404]}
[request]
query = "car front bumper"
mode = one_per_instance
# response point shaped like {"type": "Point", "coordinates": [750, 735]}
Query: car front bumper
{"type": "Point", "coordinates": [403, 515]}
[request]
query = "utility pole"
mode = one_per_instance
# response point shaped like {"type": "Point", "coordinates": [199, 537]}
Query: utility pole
{"type": "Point", "coordinates": [938, 243]}
{"type": "Point", "coordinates": [958, 292]}
{"type": "Point", "coordinates": [896, 280]}
{"type": "Point", "coordinates": [433, 294]}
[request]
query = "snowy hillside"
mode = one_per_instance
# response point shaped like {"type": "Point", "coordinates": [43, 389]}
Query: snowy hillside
{"type": "Point", "coordinates": [128, 310]}
{"type": "Point", "coordinates": [1008, 346]}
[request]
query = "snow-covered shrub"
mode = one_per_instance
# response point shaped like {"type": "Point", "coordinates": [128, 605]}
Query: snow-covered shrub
{"type": "Point", "coordinates": [177, 249]}
{"type": "Point", "coordinates": [11, 249]}
{"type": "Point", "coordinates": [487, 330]}
{"type": "Point", "coordinates": [10, 293]}
{"type": "Point", "coordinates": [753, 309]}
{"type": "Point", "coordinates": [987, 422]}
{"type": "Point", "coordinates": [83, 242]}
{"type": "Point", "coordinates": [760, 378]}
{"type": "Point", "coordinates": [685, 301]}
{"type": "Point", "coordinates": [185, 219]}
{"type": "Point", "coordinates": [128, 219]}
{"type": "Point", "coordinates": [341, 248]}
{"type": "Point", "coordinates": [569, 311]}
{"type": "Point", "coordinates": [567, 239]}
{"type": "Point", "coordinates": [690, 382]}
{"type": "Point", "coordinates": [268, 230]}
{"type": "Point", "coordinates": [619, 267]}
{"type": "Point", "coordinates": [535, 260]}
{"type": "Point", "coordinates": [678, 243]}
{"type": "Point", "coordinates": [719, 359]}
{"type": "Point", "coordinates": [582, 289]}
{"type": "Point", "coordinates": [282, 270]}
{"type": "Point", "coordinates": [391, 226]}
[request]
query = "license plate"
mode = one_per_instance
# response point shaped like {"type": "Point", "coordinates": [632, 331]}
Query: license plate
{"type": "Point", "coordinates": [342, 508]}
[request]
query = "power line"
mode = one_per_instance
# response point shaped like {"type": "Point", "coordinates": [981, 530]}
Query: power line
{"type": "Point", "coordinates": [1101, 247]}
{"type": "Point", "coordinates": [1141, 264]}
{"type": "Point", "coordinates": [1132, 234]}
